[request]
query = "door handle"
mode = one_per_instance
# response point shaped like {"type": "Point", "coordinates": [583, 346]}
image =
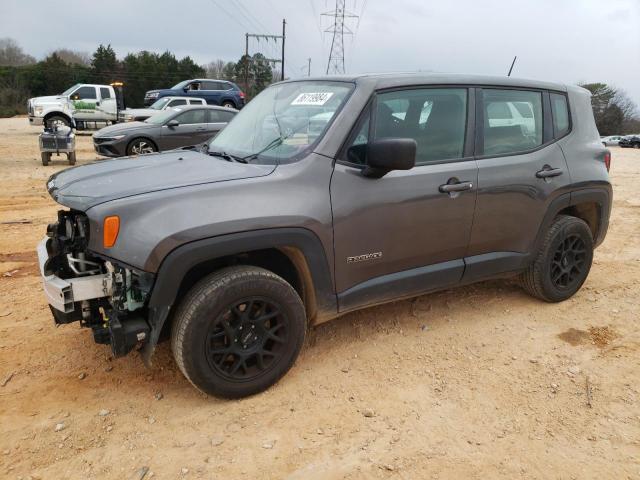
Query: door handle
{"type": "Point", "coordinates": [455, 187]}
{"type": "Point", "coordinates": [201, 129]}
{"type": "Point", "coordinates": [548, 172]}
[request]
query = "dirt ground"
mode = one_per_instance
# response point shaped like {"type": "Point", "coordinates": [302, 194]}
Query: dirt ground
{"type": "Point", "coordinates": [478, 382]}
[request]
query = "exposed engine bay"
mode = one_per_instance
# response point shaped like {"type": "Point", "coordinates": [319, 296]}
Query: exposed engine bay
{"type": "Point", "coordinates": [81, 286]}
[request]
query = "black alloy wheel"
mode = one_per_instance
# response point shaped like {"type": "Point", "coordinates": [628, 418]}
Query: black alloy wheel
{"type": "Point", "coordinates": [245, 340]}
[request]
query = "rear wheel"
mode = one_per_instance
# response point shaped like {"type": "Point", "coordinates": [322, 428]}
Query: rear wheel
{"type": "Point", "coordinates": [563, 262]}
{"type": "Point", "coordinates": [636, 145]}
{"type": "Point", "coordinates": [141, 146]}
{"type": "Point", "coordinates": [71, 157]}
{"type": "Point", "coordinates": [238, 331]}
{"type": "Point", "coordinates": [228, 104]}
{"type": "Point", "coordinates": [46, 158]}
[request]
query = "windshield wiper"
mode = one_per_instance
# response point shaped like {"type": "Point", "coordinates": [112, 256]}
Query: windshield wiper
{"type": "Point", "coordinates": [276, 142]}
{"type": "Point", "coordinates": [228, 157]}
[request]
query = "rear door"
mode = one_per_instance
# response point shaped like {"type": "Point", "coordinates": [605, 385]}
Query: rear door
{"type": "Point", "coordinates": [404, 234]}
{"type": "Point", "coordinates": [520, 172]}
{"type": "Point", "coordinates": [191, 129]}
{"type": "Point", "coordinates": [210, 91]}
{"type": "Point", "coordinates": [106, 105]}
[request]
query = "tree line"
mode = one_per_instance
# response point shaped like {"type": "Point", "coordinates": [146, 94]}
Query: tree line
{"type": "Point", "coordinates": [23, 77]}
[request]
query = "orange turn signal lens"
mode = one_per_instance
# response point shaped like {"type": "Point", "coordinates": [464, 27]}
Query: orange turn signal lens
{"type": "Point", "coordinates": [110, 231]}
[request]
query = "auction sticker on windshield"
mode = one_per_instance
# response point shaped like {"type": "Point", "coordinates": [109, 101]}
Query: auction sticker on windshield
{"type": "Point", "coordinates": [312, 98]}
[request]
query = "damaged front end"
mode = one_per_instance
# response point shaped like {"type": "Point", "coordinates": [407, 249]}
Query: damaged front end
{"type": "Point", "coordinates": [101, 294]}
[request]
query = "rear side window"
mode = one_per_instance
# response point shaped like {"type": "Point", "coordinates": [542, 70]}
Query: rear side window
{"type": "Point", "coordinates": [105, 93]}
{"type": "Point", "coordinates": [219, 116]}
{"type": "Point", "coordinates": [176, 103]}
{"type": "Point", "coordinates": [512, 121]}
{"type": "Point", "coordinates": [560, 111]}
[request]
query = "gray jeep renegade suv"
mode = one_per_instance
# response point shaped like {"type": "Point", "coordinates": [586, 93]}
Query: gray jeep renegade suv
{"type": "Point", "coordinates": [321, 197]}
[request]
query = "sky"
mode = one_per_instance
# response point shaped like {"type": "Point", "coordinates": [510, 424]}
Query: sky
{"type": "Point", "coordinates": [568, 41]}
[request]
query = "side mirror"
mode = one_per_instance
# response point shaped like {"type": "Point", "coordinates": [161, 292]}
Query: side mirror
{"type": "Point", "coordinates": [389, 154]}
{"type": "Point", "coordinates": [75, 97]}
{"type": "Point", "coordinates": [173, 123]}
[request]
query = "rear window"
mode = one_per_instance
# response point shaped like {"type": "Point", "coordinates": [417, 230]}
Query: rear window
{"type": "Point", "coordinates": [560, 111]}
{"type": "Point", "coordinates": [105, 93]}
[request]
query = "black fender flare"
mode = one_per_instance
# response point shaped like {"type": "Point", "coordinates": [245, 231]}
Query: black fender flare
{"type": "Point", "coordinates": [182, 259]}
{"type": "Point", "coordinates": [601, 196]}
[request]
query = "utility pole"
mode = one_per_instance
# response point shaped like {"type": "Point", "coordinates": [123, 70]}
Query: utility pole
{"type": "Point", "coordinates": [246, 64]}
{"type": "Point", "coordinates": [284, 23]}
{"type": "Point", "coordinates": [309, 68]}
{"type": "Point", "coordinates": [261, 36]}
{"type": "Point", "coordinates": [339, 30]}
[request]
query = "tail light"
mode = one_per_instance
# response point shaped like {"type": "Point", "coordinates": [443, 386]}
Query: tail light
{"type": "Point", "coordinates": [607, 160]}
{"type": "Point", "coordinates": [241, 94]}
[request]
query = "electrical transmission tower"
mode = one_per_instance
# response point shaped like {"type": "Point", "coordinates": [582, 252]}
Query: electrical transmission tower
{"type": "Point", "coordinates": [339, 29]}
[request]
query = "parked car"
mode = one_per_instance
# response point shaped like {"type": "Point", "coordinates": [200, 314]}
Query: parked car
{"type": "Point", "coordinates": [84, 102]}
{"type": "Point", "coordinates": [611, 140]}
{"type": "Point", "coordinates": [141, 114]}
{"type": "Point", "coordinates": [173, 128]}
{"type": "Point", "coordinates": [281, 223]}
{"type": "Point", "coordinates": [630, 141]}
{"type": "Point", "coordinates": [215, 92]}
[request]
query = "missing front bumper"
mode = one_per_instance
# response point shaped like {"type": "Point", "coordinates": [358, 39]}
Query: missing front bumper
{"type": "Point", "coordinates": [63, 294]}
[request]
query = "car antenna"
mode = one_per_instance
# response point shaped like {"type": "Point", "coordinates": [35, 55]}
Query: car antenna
{"type": "Point", "coordinates": [512, 64]}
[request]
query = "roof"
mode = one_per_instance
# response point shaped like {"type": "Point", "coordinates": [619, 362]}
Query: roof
{"type": "Point", "coordinates": [205, 107]}
{"type": "Point", "coordinates": [388, 80]}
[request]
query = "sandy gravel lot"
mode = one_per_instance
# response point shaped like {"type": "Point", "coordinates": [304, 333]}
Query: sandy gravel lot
{"type": "Point", "coordinates": [481, 382]}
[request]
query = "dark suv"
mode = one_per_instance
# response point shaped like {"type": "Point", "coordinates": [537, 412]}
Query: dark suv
{"type": "Point", "coordinates": [215, 92]}
{"type": "Point", "coordinates": [322, 197]}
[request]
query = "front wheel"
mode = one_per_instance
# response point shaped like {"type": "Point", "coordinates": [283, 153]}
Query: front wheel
{"type": "Point", "coordinates": [45, 157]}
{"type": "Point", "coordinates": [57, 121]}
{"type": "Point", "coordinates": [563, 261]}
{"type": "Point", "coordinates": [141, 146]}
{"type": "Point", "coordinates": [238, 331]}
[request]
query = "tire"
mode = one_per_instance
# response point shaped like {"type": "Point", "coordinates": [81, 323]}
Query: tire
{"type": "Point", "coordinates": [46, 158]}
{"type": "Point", "coordinates": [57, 119]}
{"type": "Point", "coordinates": [141, 146]}
{"type": "Point", "coordinates": [636, 145]}
{"type": "Point", "coordinates": [71, 157]}
{"type": "Point", "coordinates": [213, 339]}
{"type": "Point", "coordinates": [563, 261]}
{"type": "Point", "coordinates": [228, 104]}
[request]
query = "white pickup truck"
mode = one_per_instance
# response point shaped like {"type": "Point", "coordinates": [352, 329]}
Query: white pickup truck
{"type": "Point", "coordinates": [83, 102]}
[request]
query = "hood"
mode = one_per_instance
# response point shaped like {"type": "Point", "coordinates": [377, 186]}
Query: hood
{"type": "Point", "coordinates": [122, 128]}
{"type": "Point", "coordinates": [85, 186]}
{"type": "Point", "coordinates": [49, 99]}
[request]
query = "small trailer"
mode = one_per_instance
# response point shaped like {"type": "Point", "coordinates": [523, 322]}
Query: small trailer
{"type": "Point", "coordinates": [58, 139]}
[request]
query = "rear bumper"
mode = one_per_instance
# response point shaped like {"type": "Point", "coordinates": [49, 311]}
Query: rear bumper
{"type": "Point", "coordinates": [62, 294]}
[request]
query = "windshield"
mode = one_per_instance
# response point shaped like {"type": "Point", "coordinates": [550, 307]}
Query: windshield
{"type": "Point", "coordinates": [283, 121]}
{"type": "Point", "coordinates": [162, 117]}
{"type": "Point", "coordinates": [158, 104]}
{"type": "Point", "coordinates": [181, 85]}
{"type": "Point", "coordinates": [69, 90]}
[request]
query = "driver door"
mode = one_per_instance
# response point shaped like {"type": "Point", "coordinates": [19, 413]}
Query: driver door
{"type": "Point", "coordinates": [84, 103]}
{"type": "Point", "coordinates": [402, 235]}
{"type": "Point", "coordinates": [191, 130]}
